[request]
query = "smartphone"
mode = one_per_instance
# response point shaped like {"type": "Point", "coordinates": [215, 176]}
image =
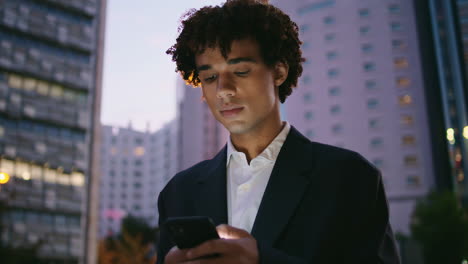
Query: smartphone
{"type": "Point", "coordinates": [189, 232]}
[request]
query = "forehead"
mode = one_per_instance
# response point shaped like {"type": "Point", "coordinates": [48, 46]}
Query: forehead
{"type": "Point", "coordinates": [239, 48]}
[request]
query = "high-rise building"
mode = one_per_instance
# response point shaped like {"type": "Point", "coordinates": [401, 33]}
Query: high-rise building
{"type": "Point", "coordinates": [200, 136]}
{"type": "Point", "coordinates": [135, 166]}
{"type": "Point", "coordinates": [442, 28]}
{"type": "Point", "coordinates": [50, 92]}
{"type": "Point", "coordinates": [362, 88]}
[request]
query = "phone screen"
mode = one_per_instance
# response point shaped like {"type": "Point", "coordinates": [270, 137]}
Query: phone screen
{"type": "Point", "coordinates": [188, 232]}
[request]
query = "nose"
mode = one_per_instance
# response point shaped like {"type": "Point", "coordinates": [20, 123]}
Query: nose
{"type": "Point", "coordinates": [225, 87]}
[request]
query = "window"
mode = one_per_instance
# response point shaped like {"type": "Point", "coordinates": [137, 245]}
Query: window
{"type": "Point", "coordinates": [309, 115]}
{"type": "Point", "coordinates": [138, 141]}
{"type": "Point", "coordinates": [136, 207]}
{"type": "Point", "coordinates": [331, 55]}
{"type": "Point", "coordinates": [363, 12]}
{"type": "Point", "coordinates": [306, 79]}
{"type": "Point", "coordinates": [138, 162]}
{"type": "Point", "coordinates": [413, 180]}
{"type": "Point", "coordinates": [15, 81]}
{"type": "Point", "coordinates": [374, 123]}
{"type": "Point", "coordinates": [330, 37]}
{"type": "Point", "coordinates": [403, 82]}
{"type": "Point", "coordinates": [394, 9]}
{"type": "Point", "coordinates": [329, 20]}
{"type": "Point", "coordinates": [411, 160]}
{"type": "Point", "coordinates": [395, 26]}
{"type": "Point", "coordinates": [408, 140]}
{"type": "Point", "coordinates": [368, 66]}
{"type": "Point", "coordinates": [333, 73]}
{"type": "Point", "coordinates": [364, 30]}
{"type": "Point", "coordinates": [378, 162]}
{"type": "Point", "coordinates": [337, 128]}
{"type": "Point", "coordinates": [112, 173]}
{"type": "Point", "coordinates": [310, 133]}
{"type": "Point", "coordinates": [334, 91]}
{"type": "Point", "coordinates": [366, 48]}
{"type": "Point", "coordinates": [305, 45]}
{"type": "Point", "coordinates": [400, 63]}
{"type": "Point", "coordinates": [137, 173]}
{"type": "Point", "coordinates": [304, 28]}
{"type": "Point", "coordinates": [398, 44]}
{"type": "Point", "coordinates": [376, 142]}
{"type": "Point", "coordinates": [372, 103]}
{"type": "Point", "coordinates": [124, 185]}
{"type": "Point", "coordinates": [371, 85]}
{"type": "Point", "coordinates": [407, 120]}
{"type": "Point", "coordinates": [307, 97]}
{"type": "Point", "coordinates": [404, 100]}
{"type": "Point", "coordinates": [137, 185]}
{"type": "Point", "coordinates": [335, 109]}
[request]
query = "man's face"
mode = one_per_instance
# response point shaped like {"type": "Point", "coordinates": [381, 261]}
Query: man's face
{"type": "Point", "coordinates": [239, 90]}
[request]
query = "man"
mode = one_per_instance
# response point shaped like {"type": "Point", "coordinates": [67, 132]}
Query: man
{"type": "Point", "coordinates": [276, 196]}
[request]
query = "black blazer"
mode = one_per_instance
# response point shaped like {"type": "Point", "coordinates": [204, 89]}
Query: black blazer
{"type": "Point", "coordinates": [322, 204]}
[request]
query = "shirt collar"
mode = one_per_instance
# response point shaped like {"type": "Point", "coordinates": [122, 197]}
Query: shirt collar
{"type": "Point", "coordinates": [270, 153]}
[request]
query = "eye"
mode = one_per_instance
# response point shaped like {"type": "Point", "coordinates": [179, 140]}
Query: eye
{"type": "Point", "coordinates": [210, 78]}
{"type": "Point", "coordinates": [242, 73]}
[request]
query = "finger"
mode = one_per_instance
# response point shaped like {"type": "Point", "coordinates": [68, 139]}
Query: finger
{"type": "Point", "coordinates": [230, 232]}
{"type": "Point", "coordinates": [175, 255]}
{"type": "Point", "coordinates": [210, 247]}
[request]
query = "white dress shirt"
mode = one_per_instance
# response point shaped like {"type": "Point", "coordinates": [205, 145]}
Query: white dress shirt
{"type": "Point", "coordinates": [246, 183]}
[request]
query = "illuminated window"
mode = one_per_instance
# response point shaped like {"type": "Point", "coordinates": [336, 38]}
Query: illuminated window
{"type": "Point", "coordinates": [404, 100]}
{"type": "Point", "coordinates": [407, 120]}
{"type": "Point", "coordinates": [400, 63]}
{"type": "Point", "coordinates": [7, 166]}
{"type": "Point", "coordinates": [50, 175]}
{"type": "Point", "coordinates": [139, 151]}
{"type": "Point", "coordinates": [408, 140]}
{"type": "Point", "coordinates": [36, 172]}
{"type": "Point", "coordinates": [63, 178]}
{"type": "Point", "coordinates": [42, 88]}
{"type": "Point", "coordinates": [30, 84]}
{"type": "Point", "coordinates": [23, 170]}
{"type": "Point", "coordinates": [56, 91]}
{"type": "Point", "coordinates": [335, 109]}
{"type": "Point", "coordinates": [372, 103]}
{"type": "Point", "coordinates": [77, 179]}
{"type": "Point", "coordinates": [413, 180]}
{"type": "Point", "coordinates": [15, 81]}
{"type": "Point", "coordinates": [363, 12]}
{"type": "Point", "coordinates": [403, 82]}
{"type": "Point", "coordinates": [309, 115]}
{"type": "Point", "coordinates": [334, 91]}
{"type": "Point", "coordinates": [411, 160]}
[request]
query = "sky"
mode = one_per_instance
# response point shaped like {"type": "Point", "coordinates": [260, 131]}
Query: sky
{"type": "Point", "coordinates": [139, 77]}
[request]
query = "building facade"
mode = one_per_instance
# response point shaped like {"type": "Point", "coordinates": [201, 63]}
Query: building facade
{"type": "Point", "coordinates": [135, 166]}
{"type": "Point", "coordinates": [50, 89]}
{"type": "Point", "coordinates": [362, 89]}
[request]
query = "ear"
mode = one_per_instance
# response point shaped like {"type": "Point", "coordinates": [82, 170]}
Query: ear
{"type": "Point", "coordinates": [281, 71]}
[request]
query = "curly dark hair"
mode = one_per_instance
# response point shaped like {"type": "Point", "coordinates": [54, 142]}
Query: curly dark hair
{"type": "Point", "coordinates": [218, 26]}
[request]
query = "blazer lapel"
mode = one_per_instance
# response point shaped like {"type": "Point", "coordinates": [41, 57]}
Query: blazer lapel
{"type": "Point", "coordinates": [284, 190]}
{"type": "Point", "coordinates": [211, 188]}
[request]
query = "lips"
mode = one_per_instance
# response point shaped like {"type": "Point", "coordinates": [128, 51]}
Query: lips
{"type": "Point", "coordinates": [231, 112]}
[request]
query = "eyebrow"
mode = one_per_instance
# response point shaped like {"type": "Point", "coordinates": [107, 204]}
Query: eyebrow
{"type": "Point", "coordinates": [205, 67]}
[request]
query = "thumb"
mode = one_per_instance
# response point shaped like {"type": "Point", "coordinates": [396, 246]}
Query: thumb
{"type": "Point", "coordinates": [229, 232]}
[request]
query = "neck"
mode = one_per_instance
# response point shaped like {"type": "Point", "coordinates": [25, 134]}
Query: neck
{"type": "Point", "coordinates": [254, 142]}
